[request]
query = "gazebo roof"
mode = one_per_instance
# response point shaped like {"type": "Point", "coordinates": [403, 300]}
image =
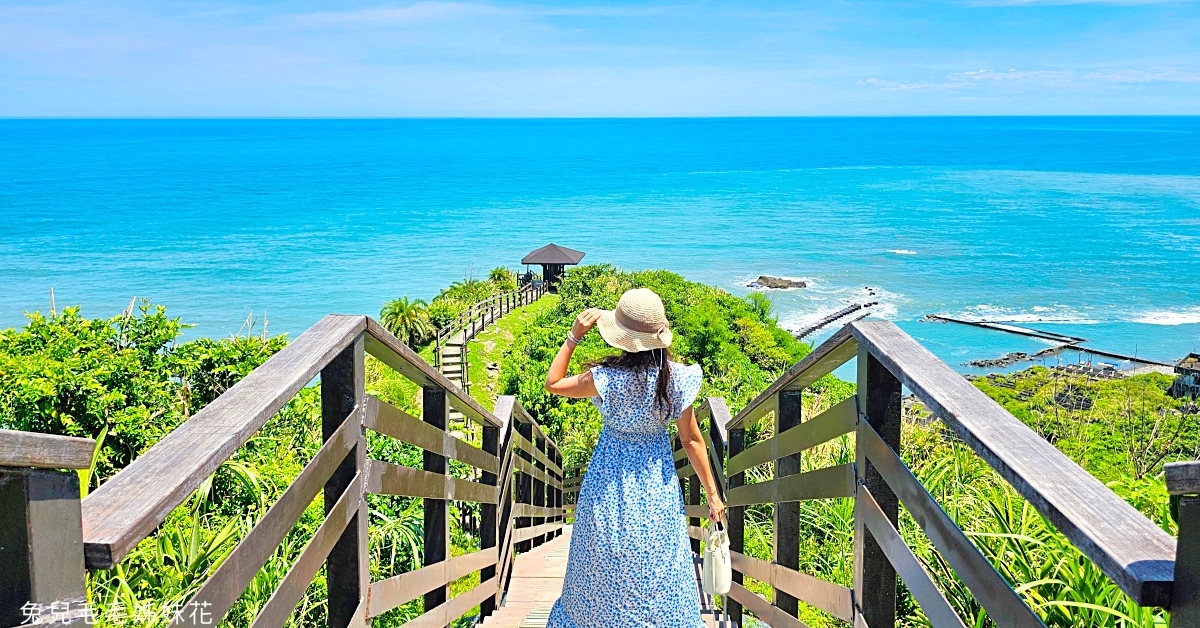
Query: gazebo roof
{"type": "Point", "coordinates": [553, 254]}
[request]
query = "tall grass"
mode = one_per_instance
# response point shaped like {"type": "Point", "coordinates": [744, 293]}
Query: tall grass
{"type": "Point", "coordinates": [1060, 584]}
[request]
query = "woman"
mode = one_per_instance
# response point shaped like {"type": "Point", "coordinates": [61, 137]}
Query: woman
{"type": "Point", "coordinates": [631, 562]}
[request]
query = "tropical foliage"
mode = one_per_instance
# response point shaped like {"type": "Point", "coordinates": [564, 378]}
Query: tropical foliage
{"type": "Point", "coordinates": [407, 320]}
{"type": "Point", "coordinates": [130, 379]}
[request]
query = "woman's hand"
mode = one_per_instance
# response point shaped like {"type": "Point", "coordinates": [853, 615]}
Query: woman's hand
{"type": "Point", "coordinates": [584, 322]}
{"type": "Point", "coordinates": [716, 510]}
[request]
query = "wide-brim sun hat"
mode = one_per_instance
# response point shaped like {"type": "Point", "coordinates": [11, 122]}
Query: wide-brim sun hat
{"type": "Point", "coordinates": [639, 322]}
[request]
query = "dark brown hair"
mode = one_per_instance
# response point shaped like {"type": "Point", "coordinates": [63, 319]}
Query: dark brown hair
{"type": "Point", "coordinates": [641, 362]}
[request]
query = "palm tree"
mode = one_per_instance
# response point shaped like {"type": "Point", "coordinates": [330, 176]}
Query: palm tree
{"type": "Point", "coordinates": [503, 278]}
{"type": "Point", "coordinates": [407, 319]}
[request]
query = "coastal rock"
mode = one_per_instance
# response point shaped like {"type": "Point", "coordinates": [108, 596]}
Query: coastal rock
{"type": "Point", "coordinates": [776, 283]}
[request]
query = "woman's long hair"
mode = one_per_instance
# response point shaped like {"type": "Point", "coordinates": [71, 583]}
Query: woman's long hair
{"type": "Point", "coordinates": [641, 362]}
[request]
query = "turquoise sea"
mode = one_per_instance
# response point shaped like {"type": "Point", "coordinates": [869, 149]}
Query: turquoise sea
{"type": "Point", "coordinates": [1084, 226]}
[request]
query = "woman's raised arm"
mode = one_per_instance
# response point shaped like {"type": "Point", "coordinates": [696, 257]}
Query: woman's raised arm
{"type": "Point", "coordinates": [577, 386]}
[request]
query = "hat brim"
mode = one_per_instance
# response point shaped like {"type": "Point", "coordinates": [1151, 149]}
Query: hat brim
{"type": "Point", "coordinates": [627, 339]}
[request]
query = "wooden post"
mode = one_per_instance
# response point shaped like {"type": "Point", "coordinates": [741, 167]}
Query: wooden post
{"type": "Point", "coordinates": [41, 548]}
{"type": "Point", "coordinates": [539, 491]}
{"type": "Point", "coordinates": [488, 519]}
{"type": "Point", "coordinates": [737, 521]}
{"type": "Point", "coordinates": [504, 512]}
{"type": "Point", "coordinates": [558, 494]}
{"type": "Point", "coordinates": [1183, 480]}
{"type": "Point", "coordinates": [524, 486]}
{"type": "Point", "coordinates": [342, 388]}
{"type": "Point", "coordinates": [787, 514]}
{"type": "Point", "coordinates": [879, 398]}
{"type": "Point", "coordinates": [437, 520]}
{"type": "Point", "coordinates": [1185, 596]}
{"type": "Point", "coordinates": [694, 500]}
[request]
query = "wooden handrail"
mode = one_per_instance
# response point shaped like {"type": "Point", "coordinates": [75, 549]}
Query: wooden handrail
{"type": "Point", "coordinates": [1131, 550]}
{"type": "Point", "coordinates": [834, 352]}
{"type": "Point", "coordinates": [44, 451]}
{"type": "Point", "coordinates": [127, 508]}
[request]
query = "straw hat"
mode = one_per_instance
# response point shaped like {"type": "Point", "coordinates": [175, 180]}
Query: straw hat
{"type": "Point", "coordinates": [638, 324]}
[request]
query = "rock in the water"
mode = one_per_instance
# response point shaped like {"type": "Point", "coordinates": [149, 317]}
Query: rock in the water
{"type": "Point", "coordinates": [777, 283]}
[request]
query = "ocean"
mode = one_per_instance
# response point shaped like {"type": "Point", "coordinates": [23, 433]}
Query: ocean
{"type": "Point", "coordinates": [1083, 226]}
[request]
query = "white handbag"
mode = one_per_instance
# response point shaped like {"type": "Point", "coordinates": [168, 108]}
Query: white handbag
{"type": "Point", "coordinates": [717, 574]}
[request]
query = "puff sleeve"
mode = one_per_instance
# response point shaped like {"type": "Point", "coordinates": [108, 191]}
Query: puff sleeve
{"type": "Point", "coordinates": [600, 379]}
{"type": "Point", "coordinates": [687, 386]}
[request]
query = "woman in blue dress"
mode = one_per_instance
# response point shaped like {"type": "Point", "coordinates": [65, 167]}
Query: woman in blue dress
{"type": "Point", "coordinates": [631, 563]}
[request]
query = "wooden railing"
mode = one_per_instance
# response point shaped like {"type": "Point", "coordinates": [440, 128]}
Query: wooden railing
{"type": "Point", "coordinates": [479, 315]}
{"type": "Point", "coordinates": [1145, 562]}
{"type": "Point", "coordinates": [1130, 549]}
{"type": "Point", "coordinates": [519, 492]}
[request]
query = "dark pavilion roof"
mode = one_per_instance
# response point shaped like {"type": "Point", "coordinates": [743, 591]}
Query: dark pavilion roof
{"type": "Point", "coordinates": [553, 254]}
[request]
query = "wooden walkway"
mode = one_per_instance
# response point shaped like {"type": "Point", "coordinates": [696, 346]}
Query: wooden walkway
{"type": "Point", "coordinates": [537, 581]}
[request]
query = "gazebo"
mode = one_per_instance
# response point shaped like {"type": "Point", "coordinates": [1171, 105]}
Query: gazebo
{"type": "Point", "coordinates": [553, 258]}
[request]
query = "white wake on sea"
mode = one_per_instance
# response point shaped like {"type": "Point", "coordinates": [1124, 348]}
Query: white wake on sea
{"type": "Point", "coordinates": [1056, 313]}
{"type": "Point", "coordinates": [1189, 316]}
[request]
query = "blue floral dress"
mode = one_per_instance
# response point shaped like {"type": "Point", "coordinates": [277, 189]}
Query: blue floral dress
{"type": "Point", "coordinates": [631, 562]}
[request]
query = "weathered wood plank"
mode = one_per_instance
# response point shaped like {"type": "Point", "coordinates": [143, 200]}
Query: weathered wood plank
{"type": "Point", "coordinates": [406, 587]}
{"type": "Point", "coordinates": [129, 506]}
{"type": "Point", "coordinates": [524, 534]}
{"type": "Point", "coordinates": [388, 349]}
{"type": "Point", "coordinates": [442, 615]}
{"type": "Point", "coordinates": [880, 397]}
{"type": "Point", "coordinates": [526, 446]}
{"type": "Point", "coordinates": [525, 417]}
{"type": "Point", "coordinates": [763, 609]}
{"type": "Point", "coordinates": [736, 516]}
{"type": "Point", "coordinates": [1128, 547]}
{"type": "Point", "coordinates": [44, 451]}
{"type": "Point", "coordinates": [528, 468]}
{"type": "Point", "coordinates": [1183, 478]}
{"type": "Point", "coordinates": [834, 599]}
{"type": "Point", "coordinates": [529, 510]}
{"type": "Point", "coordinates": [838, 420]}
{"type": "Point", "coordinates": [787, 513]}
{"type": "Point", "coordinates": [832, 353]}
{"type": "Point", "coordinates": [392, 479]}
{"type": "Point", "coordinates": [932, 602]}
{"type": "Point", "coordinates": [827, 483]}
{"type": "Point", "coordinates": [347, 565]}
{"type": "Point", "coordinates": [994, 593]}
{"type": "Point", "coordinates": [385, 418]}
{"type": "Point", "coordinates": [230, 580]}
{"type": "Point", "coordinates": [279, 607]}
{"type": "Point", "coordinates": [717, 411]}
{"type": "Point", "coordinates": [685, 472]}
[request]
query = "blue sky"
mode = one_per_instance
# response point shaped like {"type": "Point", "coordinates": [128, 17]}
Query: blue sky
{"type": "Point", "coordinates": [376, 58]}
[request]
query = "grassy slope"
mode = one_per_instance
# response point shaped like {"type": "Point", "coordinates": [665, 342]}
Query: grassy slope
{"type": "Point", "coordinates": [490, 346]}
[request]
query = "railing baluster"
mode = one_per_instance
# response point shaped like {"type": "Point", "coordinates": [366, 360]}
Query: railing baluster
{"type": "Point", "coordinates": [488, 519]}
{"type": "Point", "coordinates": [1183, 480]}
{"type": "Point", "coordinates": [437, 519]}
{"type": "Point", "coordinates": [737, 521]}
{"type": "Point", "coordinates": [41, 545]}
{"type": "Point", "coordinates": [539, 490]}
{"type": "Point", "coordinates": [787, 514]}
{"type": "Point", "coordinates": [524, 484]}
{"type": "Point", "coordinates": [874, 576]}
{"type": "Point", "coordinates": [342, 389]}
{"type": "Point", "coordinates": [693, 495]}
